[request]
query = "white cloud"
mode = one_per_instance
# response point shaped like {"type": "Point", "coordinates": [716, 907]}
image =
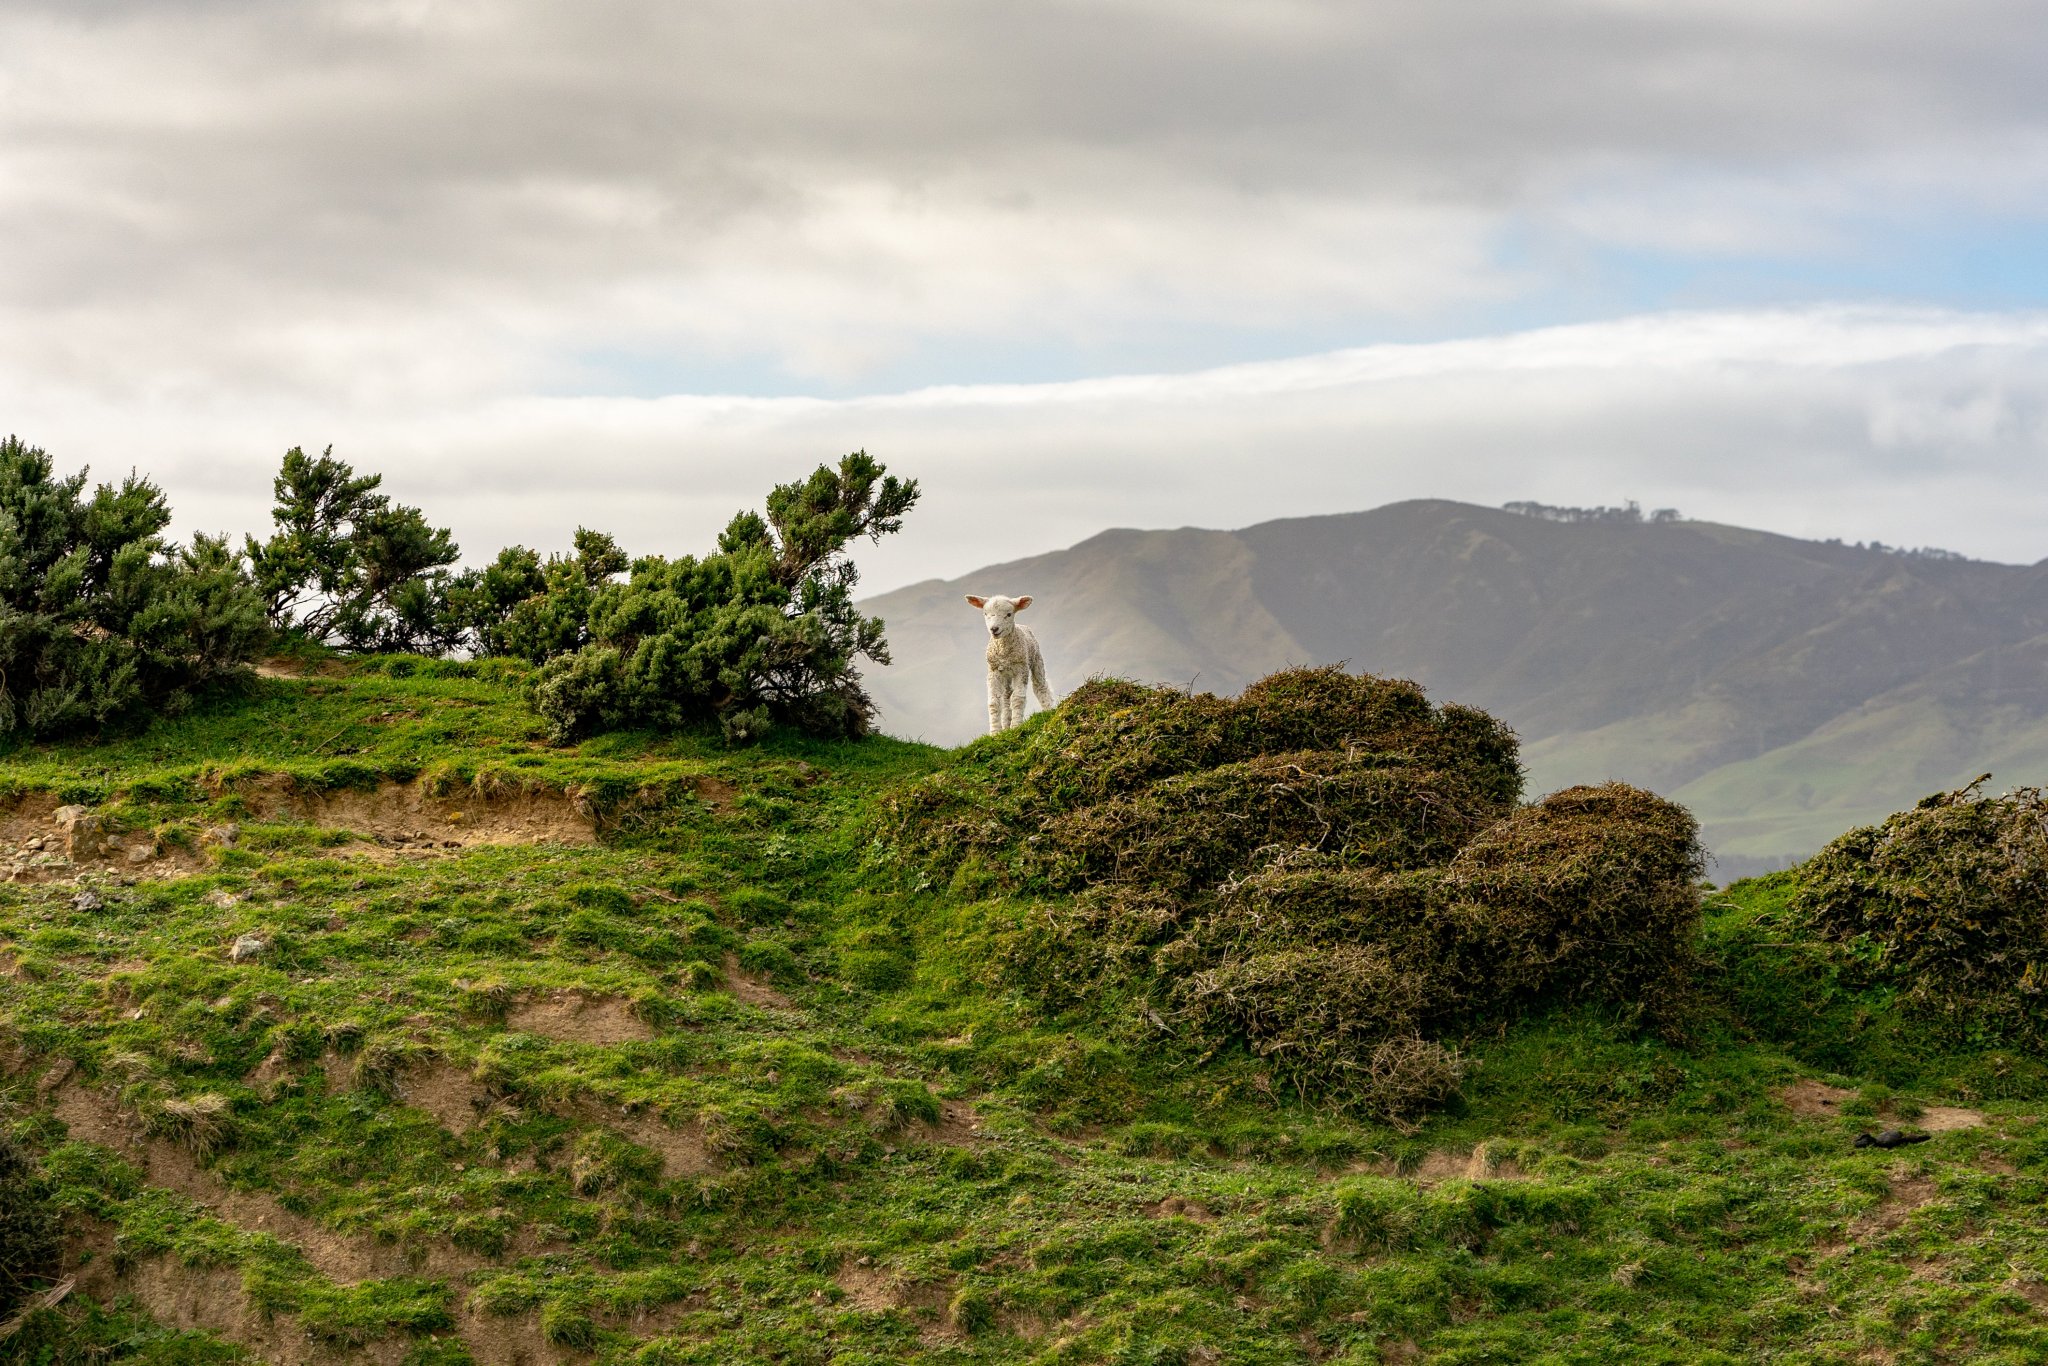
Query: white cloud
{"type": "Point", "coordinates": [1914, 427]}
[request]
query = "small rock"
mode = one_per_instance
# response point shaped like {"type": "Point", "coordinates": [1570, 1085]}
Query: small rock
{"type": "Point", "coordinates": [222, 898]}
{"type": "Point", "coordinates": [141, 853]}
{"type": "Point", "coordinates": [88, 901]}
{"type": "Point", "coordinates": [84, 833]}
{"type": "Point", "coordinates": [59, 1073]}
{"type": "Point", "coordinates": [34, 843]}
{"type": "Point", "coordinates": [247, 947]}
{"type": "Point", "coordinates": [221, 834]}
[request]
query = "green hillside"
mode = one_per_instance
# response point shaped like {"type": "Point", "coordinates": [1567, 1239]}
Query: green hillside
{"type": "Point", "coordinates": [648, 1050]}
{"type": "Point", "coordinates": [1786, 689]}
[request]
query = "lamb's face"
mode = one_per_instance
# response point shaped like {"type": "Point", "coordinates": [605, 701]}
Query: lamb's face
{"type": "Point", "coordinates": [1000, 613]}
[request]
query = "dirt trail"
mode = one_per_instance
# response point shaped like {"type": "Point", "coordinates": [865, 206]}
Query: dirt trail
{"type": "Point", "coordinates": [95, 1118]}
{"type": "Point", "coordinates": [1812, 1099]}
{"type": "Point", "coordinates": [45, 840]}
{"type": "Point", "coordinates": [211, 1297]}
{"type": "Point", "coordinates": [574, 1017]}
{"type": "Point", "coordinates": [1480, 1164]}
{"type": "Point", "coordinates": [400, 818]}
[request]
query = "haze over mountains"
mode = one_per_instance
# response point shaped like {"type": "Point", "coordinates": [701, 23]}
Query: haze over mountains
{"type": "Point", "coordinates": [1785, 690]}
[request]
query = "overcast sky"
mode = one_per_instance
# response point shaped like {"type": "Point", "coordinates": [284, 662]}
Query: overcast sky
{"type": "Point", "coordinates": [1072, 265]}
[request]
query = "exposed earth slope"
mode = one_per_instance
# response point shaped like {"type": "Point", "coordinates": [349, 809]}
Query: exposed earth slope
{"type": "Point", "coordinates": [1783, 689]}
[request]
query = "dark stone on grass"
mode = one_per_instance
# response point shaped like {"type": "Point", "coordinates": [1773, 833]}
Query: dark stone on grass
{"type": "Point", "coordinates": [1889, 1139]}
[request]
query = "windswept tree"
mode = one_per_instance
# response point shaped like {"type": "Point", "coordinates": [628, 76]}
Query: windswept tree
{"type": "Point", "coordinates": [524, 608]}
{"type": "Point", "coordinates": [346, 566]}
{"type": "Point", "coordinates": [763, 632]}
{"type": "Point", "coordinates": [102, 621]}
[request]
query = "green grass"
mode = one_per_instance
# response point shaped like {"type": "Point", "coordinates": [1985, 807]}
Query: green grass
{"type": "Point", "coordinates": [1597, 1195]}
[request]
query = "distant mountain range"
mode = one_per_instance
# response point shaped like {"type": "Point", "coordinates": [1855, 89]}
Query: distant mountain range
{"type": "Point", "coordinates": [1785, 690]}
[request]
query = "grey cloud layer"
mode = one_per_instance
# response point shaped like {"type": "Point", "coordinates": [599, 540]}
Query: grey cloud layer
{"type": "Point", "coordinates": [403, 199]}
{"type": "Point", "coordinates": [394, 224]}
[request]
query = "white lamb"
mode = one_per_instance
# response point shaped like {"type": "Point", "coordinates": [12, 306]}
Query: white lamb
{"type": "Point", "coordinates": [1013, 660]}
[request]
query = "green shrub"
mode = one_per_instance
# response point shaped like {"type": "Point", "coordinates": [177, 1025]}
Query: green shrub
{"type": "Point", "coordinates": [103, 622]}
{"type": "Point", "coordinates": [517, 606]}
{"type": "Point", "coordinates": [1948, 904]}
{"type": "Point", "coordinates": [347, 567]}
{"type": "Point", "coordinates": [763, 632]}
{"type": "Point", "coordinates": [1194, 831]}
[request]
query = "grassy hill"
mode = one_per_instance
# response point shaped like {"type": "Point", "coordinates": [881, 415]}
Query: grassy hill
{"type": "Point", "coordinates": [1784, 689]}
{"type": "Point", "coordinates": [636, 1051]}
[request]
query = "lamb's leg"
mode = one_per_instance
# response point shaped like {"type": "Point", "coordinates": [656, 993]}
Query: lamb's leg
{"type": "Point", "coordinates": [1038, 683]}
{"type": "Point", "coordinates": [998, 701]}
{"type": "Point", "coordinates": [1017, 684]}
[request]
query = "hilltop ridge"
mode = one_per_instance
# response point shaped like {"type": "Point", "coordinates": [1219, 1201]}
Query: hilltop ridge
{"type": "Point", "coordinates": [1784, 689]}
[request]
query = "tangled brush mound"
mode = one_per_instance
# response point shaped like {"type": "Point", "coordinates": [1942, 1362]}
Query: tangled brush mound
{"type": "Point", "coordinates": [1327, 870]}
{"type": "Point", "coordinates": [1948, 903]}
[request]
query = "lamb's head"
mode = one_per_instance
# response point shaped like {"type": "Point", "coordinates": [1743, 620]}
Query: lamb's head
{"type": "Point", "coordinates": [999, 613]}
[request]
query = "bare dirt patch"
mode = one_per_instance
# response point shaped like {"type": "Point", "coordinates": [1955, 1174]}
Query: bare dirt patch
{"type": "Point", "coordinates": [1942, 1119]}
{"type": "Point", "coordinates": [502, 1340]}
{"type": "Point", "coordinates": [45, 840]}
{"type": "Point", "coordinates": [870, 1289]}
{"type": "Point", "coordinates": [959, 1125]}
{"type": "Point", "coordinates": [1176, 1207]}
{"type": "Point", "coordinates": [572, 1017]}
{"type": "Point", "coordinates": [752, 990]}
{"type": "Point", "coordinates": [284, 666]}
{"type": "Point", "coordinates": [681, 1147]}
{"type": "Point", "coordinates": [1908, 1193]}
{"type": "Point", "coordinates": [447, 1093]}
{"type": "Point", "coordinates": [1811, 1099]}
{"type": "Point", "coordinates": [401, 818]}
{"type": "Point", "coordinates": [1481, 1164]}
{"type": "Point", "coordinates": [713, 792]}
{"type": "Point", "coordinates": [212, 1299]}
{"type": "Point", "coordinates": [42, 840]}
{"type": "Point", "coordinates": [273, 1072]}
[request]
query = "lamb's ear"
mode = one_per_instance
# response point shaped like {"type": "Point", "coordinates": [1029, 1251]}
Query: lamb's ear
{"type": "Point", "coordinates": [1024, 602]}
{"type": "Point", "coordinates": [973, 601]}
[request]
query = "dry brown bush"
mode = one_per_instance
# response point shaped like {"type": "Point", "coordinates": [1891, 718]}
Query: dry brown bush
{"type": "Point", "coordinates": [1947, 902]}
{"type": "Point", "coordinates": [1323, 871]}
